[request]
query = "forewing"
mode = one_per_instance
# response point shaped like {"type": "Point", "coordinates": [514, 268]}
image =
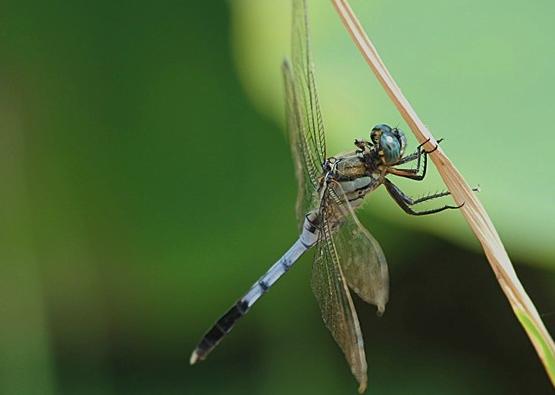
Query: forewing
{"type": "Point", "coordinates": [338, 312]}
{"type": "Point", "coordinates": [361, 257]}
{"type": "Point", "coordinates": [306, 83]}
{"type": "Point", "coordinates": [306, 126]}
{"type": "Point", "coordinates": [304, 77]}
{"type": "Point", "coordinates": [305, 169]}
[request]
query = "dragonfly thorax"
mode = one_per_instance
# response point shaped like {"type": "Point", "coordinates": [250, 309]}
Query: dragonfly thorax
{"type": "Point", "coordinates": [353, 174]}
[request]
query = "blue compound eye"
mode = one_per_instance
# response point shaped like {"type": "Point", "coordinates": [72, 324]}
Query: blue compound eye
{"type": "Point", "coordinates": [389, 140]}
{"type": "Point", "coordinates": [391, 147]}
{"type": "Point", "coordinates": [378, 131]}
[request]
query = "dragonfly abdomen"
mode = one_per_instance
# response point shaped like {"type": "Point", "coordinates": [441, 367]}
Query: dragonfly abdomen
{"type": "Point", "coordinates": [223, 326]}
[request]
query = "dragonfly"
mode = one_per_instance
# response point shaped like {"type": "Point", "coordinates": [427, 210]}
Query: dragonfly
{"type": "Point", "coordinates": [330, 189]}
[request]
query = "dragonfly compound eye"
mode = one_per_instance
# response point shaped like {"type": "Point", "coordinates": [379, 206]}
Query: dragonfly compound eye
{"type": "Point", "coordinates": [392, 147]}
{"type": "Point", "coordinates": [390, 141]}
{"type": "Point", "coordinates": [402, 139]}
{"type": "Point", "coordinates": [378, 131]}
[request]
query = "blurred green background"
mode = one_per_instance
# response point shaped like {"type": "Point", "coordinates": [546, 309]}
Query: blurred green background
{"type": "Point", "coordinates": [147, 182]}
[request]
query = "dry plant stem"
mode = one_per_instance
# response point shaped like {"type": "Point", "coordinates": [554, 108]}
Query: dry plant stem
{"type": "Point", "coordinates": [473, 211]}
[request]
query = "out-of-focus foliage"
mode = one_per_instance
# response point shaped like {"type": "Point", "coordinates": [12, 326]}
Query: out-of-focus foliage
{"type": "Point", "coordinates": [142, 192]}
{"type": "Point", "coordinates": [479, 74]}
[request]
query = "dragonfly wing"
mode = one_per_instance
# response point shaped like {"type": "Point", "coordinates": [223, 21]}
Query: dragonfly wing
{"type": "Point", "coordinates": [306, 127]}
{"type": "Point", "coordinates": [361, 257]}
{"type": "Point", "coordinates": [304, 77]}
{"type": "Point", "coordinates": [306, 169]}
{"type": "Point", "coordinates": [338, 312]}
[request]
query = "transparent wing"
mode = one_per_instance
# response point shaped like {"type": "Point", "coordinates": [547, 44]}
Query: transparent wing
{"type": "Point", "coordinates": [330, 288]}
{"type": "Point", "coordinates": [305, 169]}
{"type": "Point", "coordinates": [361, 257]}
{"type": "Point", "coordinates": [304, 77]}
{"type": "Point", "coordinates": [303, 110]}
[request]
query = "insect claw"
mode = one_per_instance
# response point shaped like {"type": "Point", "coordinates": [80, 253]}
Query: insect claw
{"type": "Point", "coordinates": [435, 148]}
{"type": "Point", "coordinates": [424, 143]}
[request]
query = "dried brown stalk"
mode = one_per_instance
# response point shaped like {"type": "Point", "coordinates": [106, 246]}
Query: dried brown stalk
{"type": "Point", "coordinates": [473, 211]}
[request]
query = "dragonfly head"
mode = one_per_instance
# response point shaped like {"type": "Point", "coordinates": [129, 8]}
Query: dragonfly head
{"type": "Point", "coordinates": [388, 142]}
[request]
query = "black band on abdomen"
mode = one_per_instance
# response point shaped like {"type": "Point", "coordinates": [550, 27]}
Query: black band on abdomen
{"type": "Point", "coordinates": [221, 328]}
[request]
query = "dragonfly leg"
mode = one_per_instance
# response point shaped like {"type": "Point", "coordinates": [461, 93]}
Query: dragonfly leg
{"type": "Point", "coordinates": [415, 155]}
{"type": "Point", "coordinates": [363, 146]}
{"type": "Point", "coordinates": [409, 158]}
{"type": "Point", "coordinates": [405, 201]}
{"type": "Point", "coordinates": [418, 153]}
{"type": "Point", "coordinates": [433, 149]}
{"type": "Point", "coordinates": [413, 173]}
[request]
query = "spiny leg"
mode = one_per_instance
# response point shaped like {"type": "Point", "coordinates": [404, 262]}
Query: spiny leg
{"type": "Point", "coordinates": [410, 173]}
{"type": "Point", "coordinates": [405, 201]}
{"type": "Point", "coordinates": [418, 154]}
{"type": "Point", "coordinates": [431, 196]}
{"type": "Point", "coordinates": [413, 173]}
{"type": "Point", "coordinates": [415, 155]}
